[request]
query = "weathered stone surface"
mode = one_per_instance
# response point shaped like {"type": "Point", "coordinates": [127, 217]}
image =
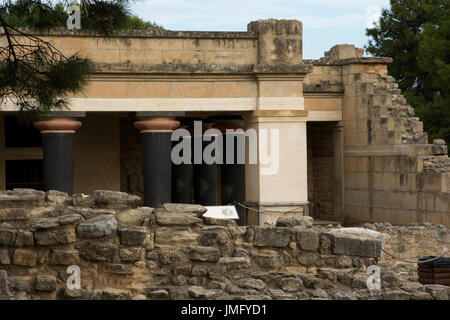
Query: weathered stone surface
{"type": "Point", "coordinates": [250, 283]}
{"type": "Point", "coordinates": [13, 214]}
{"type": "Point", "coordinates": [21, 198]}
{"type": "Point", "coordinates": [55, 237]}
{"type": "Point", "coordinates": [412, 286]}
{"type": "Point", "coordinates": [176, 218]}
{"type": "Point", "coordinates": [219, 222]}
{"type": "Point", "coordinates": [135, 217]}
{"type": "Point", "coordinates": [132, 236]}
{"type": "Point", "coordinates": [115, 294]}
{"type": "Point", "coordinates": [267, 261]}
{"type": "Point", "coordinates": [98, 251]}
{"type": "Point", "coordinates": [50, 223]}
{"type": "Point", "coordinates": [83, 200]}
{"type": "Point", "coordinates": [183, 208]}
{"type": "Point", "coordinates": [24, 238]}
{"type": "Point", "coordinates": [307, 258]}
{"type": "Point", "coordinates": [45, 283]}
{"type": "Point", "coordinates": [4, 290]}
{"type": "Point", "coordinates": [320, 293]}
{"type": "Point", "coordinates": [290, 222]}
{"type": "Point", "coordinates": [171, 236]}
{"type": "Point", "coordinates": [307, 240]}
{"type": "Point", "coordinates": [271, 237]}
{"type": "Point", "coordinates": [360, 281]}
{"type": "Point", "coordinates": [199, 253]}
{"type": "Point", "coordinates": [235, 263]}
{"type": "Point", "coordinates": [397, 295]}
{"type": "Point", "coordinates": [64, 257]}
{"type": "Point", "coordinates": [46, 223]}
{"type": "Point", "coordinates": [118, 268]}
{"type": "Point", "coordinates": [58, 198]}
{"type": "Point", "coordinates": [25, 257]}
{"type": "Point", "coordinates": [115, 199]}
{"type": "Point", "coordinates": [7, 236]}
{"type": "Point", "coordinates": [356, 247]}
{"type": "Point", "coordinates": [240, 252]}
{"type": "Point", "coordinates": [343, 262]}
{"type": "Point", "coordinates": [437, 291]}
{"type": "Point", "coordinates": [291, 284]}
{"type": "Point", "coordinates": [343, 295]}
{"type": "Point", "coordinates": [130, 254]}
{"type": "Point", "coordinates": [200, 293]}
{"type": "Point", "coordinates": [97, 228]}
{"type": "Point", "coordinates": [158, 294]}
{"type": "Point", "coordinates": [4, 257]}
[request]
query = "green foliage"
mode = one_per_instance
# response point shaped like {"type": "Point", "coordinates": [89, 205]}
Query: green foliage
{"type": "Point", "coordinates": [30, 15]}
{"type": "Point", "coordinates": [416, 34]}
{"type": "Point", "coordinates": [35, 75]}
{"type": "Point", "coordinates": [136, 23]}
{"type": "Point", "coordinates": [102, 16]}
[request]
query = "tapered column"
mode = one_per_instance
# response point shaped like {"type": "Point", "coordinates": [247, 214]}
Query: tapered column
{"type": "Point", "coordinates": [205, 175]}
{"type": "Point", "coordinates": [182, 178]}
{"type": "Point", "coordinates": [157, 164]}
{"type": "Point", "coordinates": [57, 137]}
{"type": "Point", "coordinates": [233, 167]}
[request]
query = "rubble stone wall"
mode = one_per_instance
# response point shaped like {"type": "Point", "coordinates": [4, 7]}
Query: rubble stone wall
{"type": "Point", "coordinates": [125, 251]}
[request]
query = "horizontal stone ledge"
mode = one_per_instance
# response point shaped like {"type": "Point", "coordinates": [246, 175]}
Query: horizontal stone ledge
{"type": "Point", "coordinates": [151, 33]}
{"type": "Point", "coordinates": [282, 71]}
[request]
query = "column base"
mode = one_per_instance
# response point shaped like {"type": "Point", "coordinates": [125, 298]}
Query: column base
{"type": "Point", "coordinates": [266, 214]}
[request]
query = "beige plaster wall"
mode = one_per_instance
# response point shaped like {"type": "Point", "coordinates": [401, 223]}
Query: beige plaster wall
{"type": "Point", "coordinates": [97, 154]}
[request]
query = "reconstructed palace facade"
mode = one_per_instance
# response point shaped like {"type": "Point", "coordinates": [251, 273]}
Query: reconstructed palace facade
{"type": "Point", "coordinates": [350, 148]}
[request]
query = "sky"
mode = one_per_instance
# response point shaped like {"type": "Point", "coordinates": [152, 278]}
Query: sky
{"type": "Point", "coordinates": [325, 22]}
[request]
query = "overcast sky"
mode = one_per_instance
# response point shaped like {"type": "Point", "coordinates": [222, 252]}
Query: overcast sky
{"type": "Point", "coordinates": [325, 22]}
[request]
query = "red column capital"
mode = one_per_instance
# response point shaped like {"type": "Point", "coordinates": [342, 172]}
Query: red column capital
{"type": "Point", "coordinates": [58, 125]}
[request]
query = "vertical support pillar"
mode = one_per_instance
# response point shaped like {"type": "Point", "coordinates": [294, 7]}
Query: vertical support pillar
{"type": "Point", "coordinates": [205, 175]}
{"type": "Point", "coordinates": [338, 159]}
{"type": "Point", "coordinates": [232, 171]}
{"type": "Point", "coordinates": [182, 180]}
{"type": "Point", "coordinates": [157, 164]}
{"type": "Point", "coordinates": [278, 182]}
{"type": "Point", "coordinates": [57, 140]}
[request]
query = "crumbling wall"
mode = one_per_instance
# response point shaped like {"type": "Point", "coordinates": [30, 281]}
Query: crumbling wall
{"type": "Point", "coordinates": [391, 172]}
{"type": "Point", "coordinates": [125, 251]}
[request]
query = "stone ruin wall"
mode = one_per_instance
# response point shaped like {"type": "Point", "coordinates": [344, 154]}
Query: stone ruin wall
{"type": "Point", "coordinates": [391, 172]}
{"type": "Point", "coordinates": [130, 252]}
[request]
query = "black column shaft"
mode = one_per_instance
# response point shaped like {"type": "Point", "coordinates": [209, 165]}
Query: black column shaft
{"type": "Point", "coordinates": [157, 168]}
{"type": "Point", "coordinates": [205, 180]}
{"type": "Point", "coordinates": [233, 184]}
{"type": "Point", "coordinates": [182, 183]}
{"type": "Point", "coordinates": [58, 161]}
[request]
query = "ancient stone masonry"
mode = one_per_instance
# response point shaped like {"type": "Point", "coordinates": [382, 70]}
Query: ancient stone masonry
{"type": "Point", "coordinates": [126, 251]}
{"type": "Point", "coordinates": [391, 172]}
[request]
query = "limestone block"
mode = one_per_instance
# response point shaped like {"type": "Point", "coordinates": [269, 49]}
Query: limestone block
{"type": "Point", "coordinates": [64, 257]}
{"type": "Point", "coordinates": [307, 239]}
{"type": "Point", "coordinates": [25, 257]}
{"type": "Point", "coordinates": [7, 236]}
{"type": "Point", "coordinates": [271, 237]}
{"type": "Point", "coordinates": [199, 253]}
{"type": "Point", "coordinates": [97, 228]}
{"type": "Point", "coordinates": [45, 283]}
{"type": "Point", "coordinates": [132, 236]}
{"type": "Point", "coordinates": [55, 237]}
